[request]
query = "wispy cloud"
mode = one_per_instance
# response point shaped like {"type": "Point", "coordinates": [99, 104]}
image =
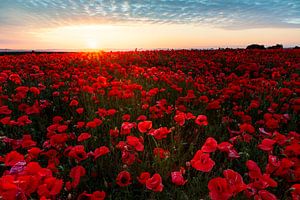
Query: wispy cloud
{"type": "Point", "coordinates": [233, 14]}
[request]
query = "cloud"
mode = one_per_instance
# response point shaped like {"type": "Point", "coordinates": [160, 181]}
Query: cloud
{"type": "Point", "coordinates": [234, 14]}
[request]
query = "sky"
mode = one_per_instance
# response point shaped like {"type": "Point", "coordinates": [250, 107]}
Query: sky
{"type": "Point", "coordinates": [147, 24]}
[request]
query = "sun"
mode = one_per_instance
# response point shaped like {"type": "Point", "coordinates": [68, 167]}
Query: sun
{"type": "Point", "coordinates": [92, 44]}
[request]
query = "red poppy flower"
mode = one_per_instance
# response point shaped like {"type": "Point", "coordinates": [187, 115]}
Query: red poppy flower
{"type": "Point", "coordinates": [235, 181]}
{"type": "Point", "coordinates": [62, 128]}
{"type": "Point", "coordinates": [247, 128]}
{"type": "Point", "coordinates": [78, 153]}
{"type": "Point", "coordinates": [114, 133]}
{"type": "Point", "coordinates": [12, 158]}
{"type": "Point", "coordinates": [160, 133]}
{"type": "Point", "coordinates": [280, 138]}
{"type": "Point", "coordinates": [141, 118]}
{"type": "Point", "coordinates": [34, 168]}
{"type": "Point", "coordinates": [219, 189]}
{"type": "Point", "coordinates": [5, 120]}
{"type": "Point", "coordinates": [201, 120]}
{"type": "Point", "coordinates": [272, 123]}
{"type": "Point", "coordinates": [58, 140]}
{"type": "Point", "coordinates": [214, 105]}
{"type": "Point", "coordinates": [57, 119]}
{"type": "Point", "coordinates": [35, 91]}
{"type": "Point", "coordinates": [285, 92]}
{"type": "Point", "coordinates": [128, 157]}
{"type": "Point", "coordinates": [144, 126]}
{"type": "Point", "coordinates": [210, 145]}
{"type": "Point", "coordinates": [98, 195]}
{"type": "Point", "coordinates": [124, 178]}
{"type": "Point", "coordinates": [50, 187]}
{"type": "Point", "coordinates": [8, 188]}
{"type": "Point", "coordinates": [126, 128]}
{"type": "Point", "coordinates": [93, 124]}
{"type": "Point", "coordinates": [80, 124]}
{"type": "Point", "coordinates": [204, 99]}
{"type": "Point", "coordinates": [28, 184]}
{"type": "Point", "coordinates": [4, 110]}
{"type": "Point", "coordinates": [265, 181]}
{"type": "Point", "coordinates": [144, 176]}
{"type": "Point", "coordinates": [74, 102]}
{"type": "Point", "coordinates": [254, 170]}
{"type": "Point", "coordinates": [292, 150]}
{"type": "Point", "coordinates": [34, 152]}
{"type": "Point", "coordinates": [80, 110]}
{"type": "Point", "coordinates": [161, 153]}
{"type": "Point", "coordinates": [155, 183]}
{"type": "Point", "coordinates": [34, 109]}
{"type": "Point", "coordinates": [177, 178]}
{"type": "Point", "coordinates": [295, 191]}
{"type": "Point", "coordinates": [3, 77]}
{"type": "Point", "coordinates": [189, 116]}
{"type": "Point", "coordinates": [15, 78]}
{"type": "Point", "coordinates": [55, 94]}
{"type": "Point", "coordinates": [23, 120]}
{"type": "Point", "coordinates": [254, 104]}
{"type": "Point", "coordinates": [202, 161]}
{"type": "Point", "coordinates": [101, 151]}
{"type": "Point", "coordinates": [83, 137]}
{"type": "Point", "coordinates": [180, 118]}
{"type": "Point", "coordinates": [285, 165]}
{"type": "Point", "coordinates": [273, 164]}
{"type": "Point", "coordinates": [225, 146]}
{"type": "Point", "coordinates": [265, 195]}
{"type": "Point", "coordinates": [76, 173]}
{"type": "Point", "coordinates": [266, 144]}
{"type": "Point", "coordinates": [111, 112]}
{"type": "Point", "coordinates": [126, 117]}
{"type": "Point", "coordinates": [27, 141]}
{"type": "Point", "coordinates": [22, 91]}
{"type": "Point", "coordinates": [145, 106]}
{"type": "Point", "coordinates": [135, 142]}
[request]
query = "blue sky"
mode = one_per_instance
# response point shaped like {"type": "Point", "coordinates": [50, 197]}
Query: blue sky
{"type": "Point", "coordinates": [31, 17]}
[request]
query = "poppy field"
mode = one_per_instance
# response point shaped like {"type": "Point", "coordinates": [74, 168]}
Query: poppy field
{"type": "Point", "coordinates": [165, 124]}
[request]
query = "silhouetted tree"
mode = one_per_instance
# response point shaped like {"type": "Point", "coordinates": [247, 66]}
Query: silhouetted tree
{"type": "Point", "coordinates": [255, 46]}
{"type": "Point", "coordinates": [277, 46]}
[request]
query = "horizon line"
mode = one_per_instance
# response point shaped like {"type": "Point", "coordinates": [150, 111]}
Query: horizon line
{"type": "Point", "coordinates": [3, 50]}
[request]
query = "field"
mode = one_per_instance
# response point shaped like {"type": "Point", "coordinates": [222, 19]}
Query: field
{"type": "Point", "coordinates": [184, 124]}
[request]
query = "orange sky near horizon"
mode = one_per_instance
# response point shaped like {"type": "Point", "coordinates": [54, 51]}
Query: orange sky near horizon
{"type": "Point", "coordinates": [147, 36]}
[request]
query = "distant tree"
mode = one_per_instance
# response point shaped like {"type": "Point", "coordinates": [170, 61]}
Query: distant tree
{"type": "Point", "coordinates": [277, 46]}
{"type": "Point", "coordinates": [255, 46]}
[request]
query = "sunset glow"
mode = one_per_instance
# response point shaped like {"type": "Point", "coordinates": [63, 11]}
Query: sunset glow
{"type": "Point", "coordinates": [147, 36]}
